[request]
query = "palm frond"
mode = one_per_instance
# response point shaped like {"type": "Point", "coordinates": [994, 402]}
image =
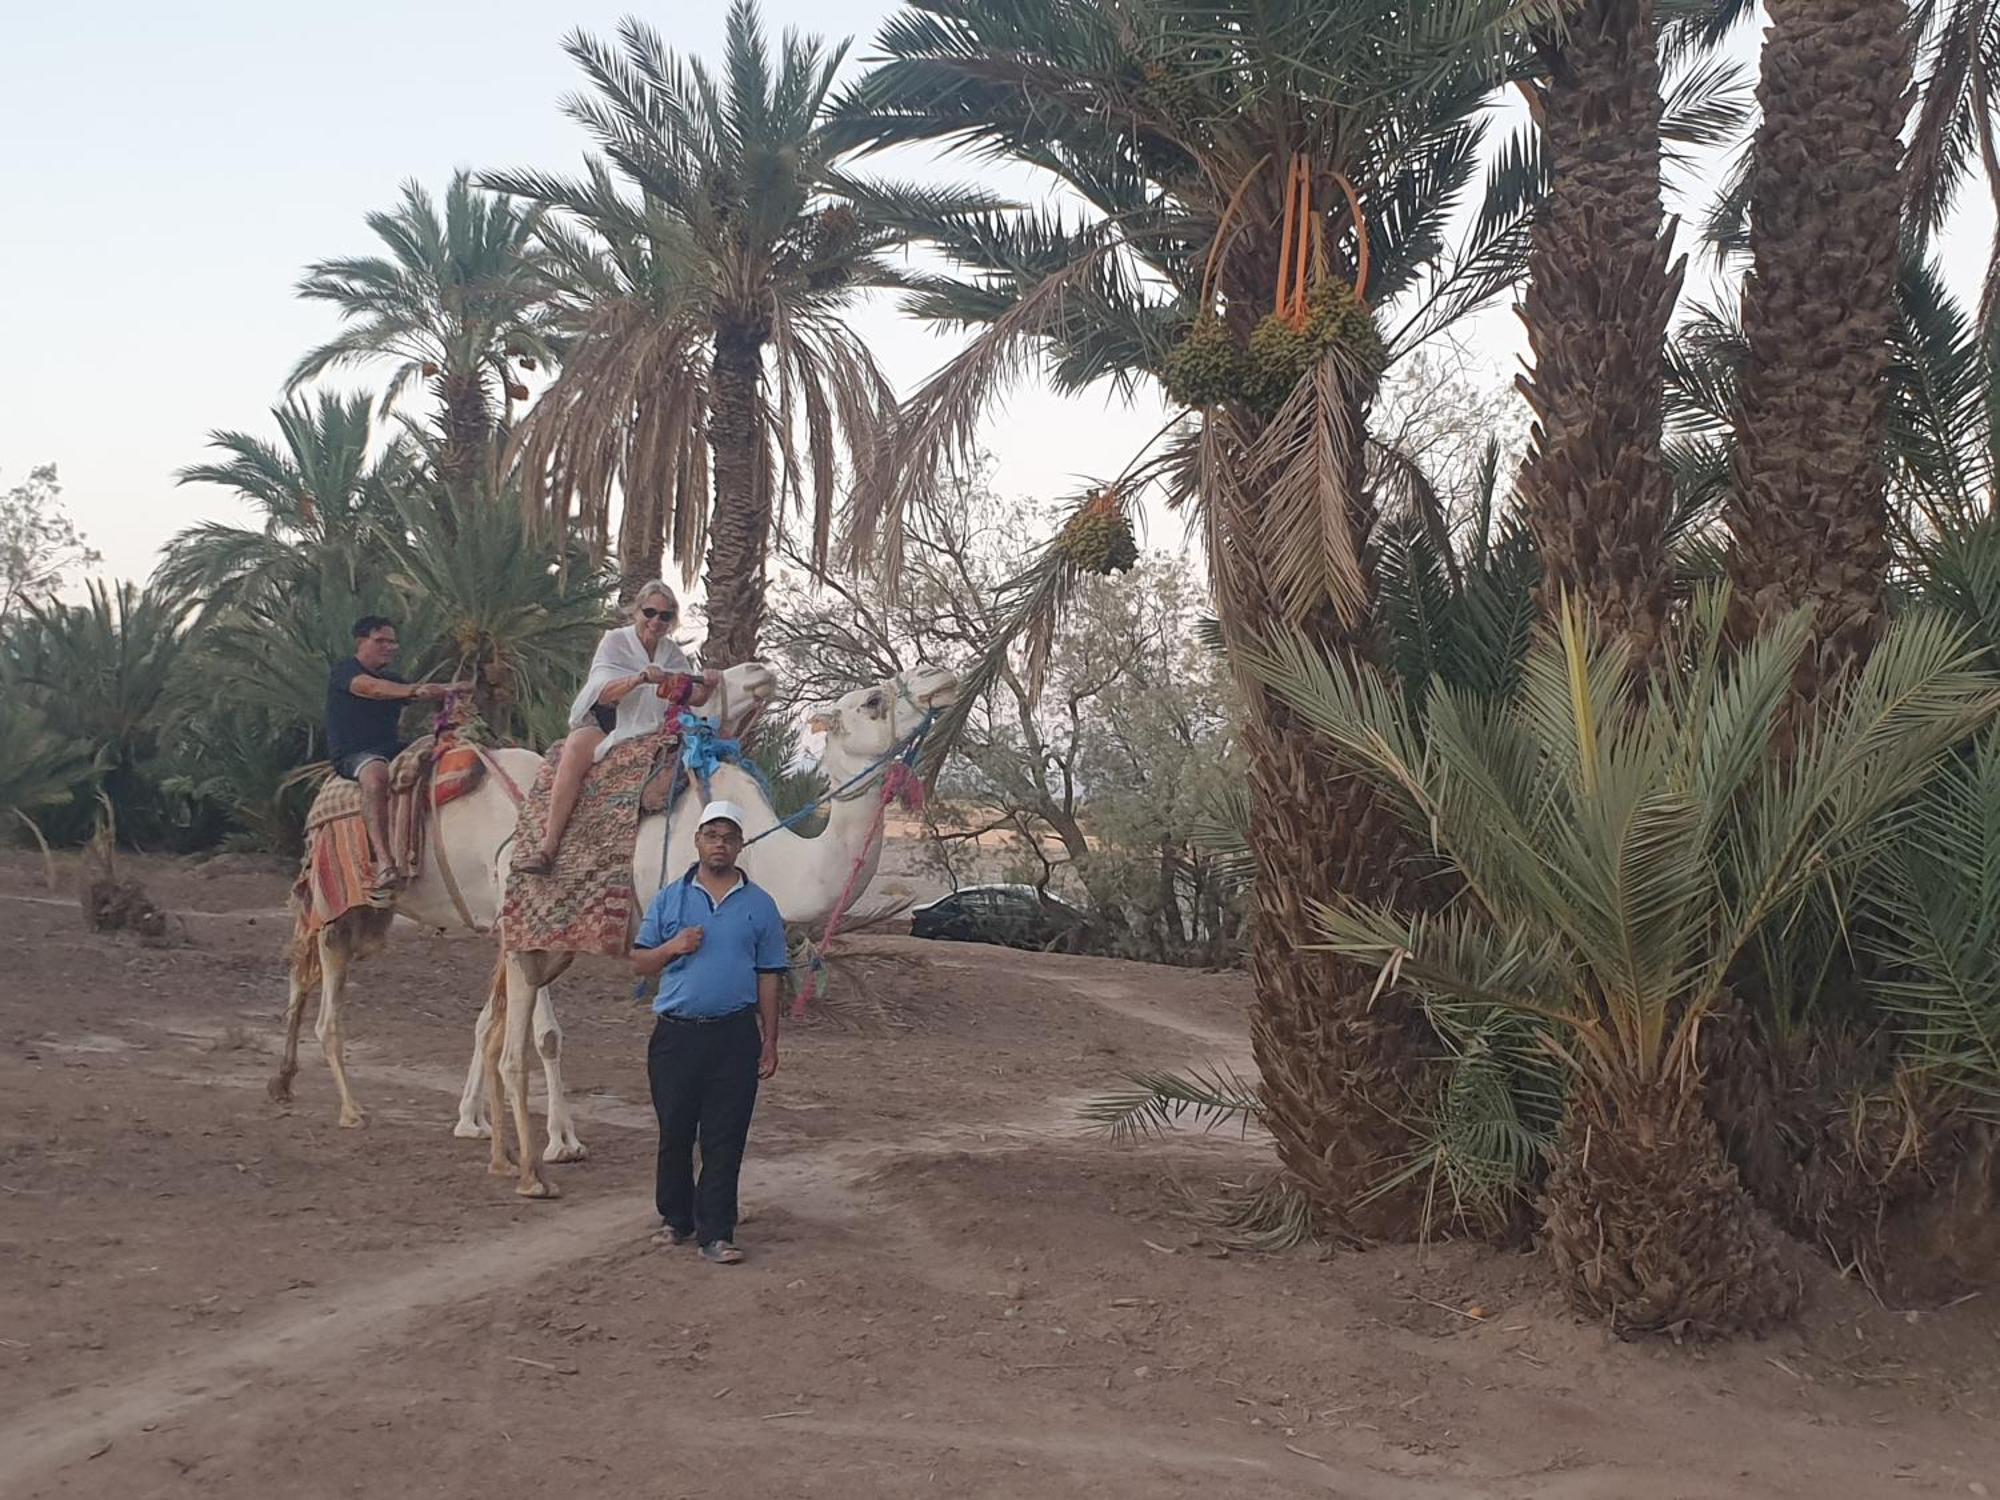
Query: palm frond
{"type": "Point", "coordinates": [1153, 1103]}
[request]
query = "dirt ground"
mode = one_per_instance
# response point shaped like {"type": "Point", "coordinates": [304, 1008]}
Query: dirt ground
{"type": "Point", "coordinates": [954, 1289]}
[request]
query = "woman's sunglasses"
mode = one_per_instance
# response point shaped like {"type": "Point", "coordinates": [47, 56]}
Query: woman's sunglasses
{"type": "Point", "coordinates": [658, 614]}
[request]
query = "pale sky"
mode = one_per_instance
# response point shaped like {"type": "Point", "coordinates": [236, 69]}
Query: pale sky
{"type": "Point", "coordinates": [168, 171]}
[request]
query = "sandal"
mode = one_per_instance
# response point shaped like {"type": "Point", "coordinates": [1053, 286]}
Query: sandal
{"type": "Point", "coordinates": [537, 863]}
{"type": "Point", "coordinates": [721, 1253]}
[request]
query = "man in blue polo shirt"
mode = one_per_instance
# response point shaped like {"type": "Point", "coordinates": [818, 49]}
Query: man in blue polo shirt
{"type": "Point", "coordinates": [718, 945]}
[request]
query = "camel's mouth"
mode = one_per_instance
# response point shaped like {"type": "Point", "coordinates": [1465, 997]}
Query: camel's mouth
{"type": "Point", "coordinates": [935, 689]}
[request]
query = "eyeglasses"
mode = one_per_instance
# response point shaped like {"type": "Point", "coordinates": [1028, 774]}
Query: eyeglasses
{"type": "Point", "coordinates": [658, 614]}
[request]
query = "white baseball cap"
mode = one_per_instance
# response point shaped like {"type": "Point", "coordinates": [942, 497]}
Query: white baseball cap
{"type": "Point", "coordinates": [716, 811]}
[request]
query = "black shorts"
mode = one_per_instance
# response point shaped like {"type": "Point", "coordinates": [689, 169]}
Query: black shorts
{"type": "Point", "coordinates": [348, 767]}
{"type": "Point", "coordinates": [607, 718]}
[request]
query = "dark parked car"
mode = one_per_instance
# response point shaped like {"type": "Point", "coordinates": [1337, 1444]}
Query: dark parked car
{"type": "Point", "coordinates": [1012, 916]}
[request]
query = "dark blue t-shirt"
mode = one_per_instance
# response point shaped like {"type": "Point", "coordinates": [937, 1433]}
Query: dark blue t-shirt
{"type": "Point", "coordinates": [354, 724]}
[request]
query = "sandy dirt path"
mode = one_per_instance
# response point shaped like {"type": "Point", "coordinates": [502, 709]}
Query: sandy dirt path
{"type": "Point", "coordinates": [955, 1287]}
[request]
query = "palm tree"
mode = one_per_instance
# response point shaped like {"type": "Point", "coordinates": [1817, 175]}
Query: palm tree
{"type": "Point", "coordinates": [1958, 86]}
{"type": "Point", "coordinates": [452, 301]}
{"type": "Point", "coordinates": [38, 767]}
{"type": "Point", "coordinates": [323, 498]}
{"type": "Point", "coordinates": [1252, 187]}
{"type": "Point", "coordinates": [1601, 290]}
{"type": "Point", "coordinates": [484, 601]}
{"type": "Point", "coordinates": [98, 673]}
{"type": "Point", "coordinates": [704, 269]}
{"type": "Point", "coordinates": [1807, 507]}
{"type": "Point", "coordinates": [1621, 839]}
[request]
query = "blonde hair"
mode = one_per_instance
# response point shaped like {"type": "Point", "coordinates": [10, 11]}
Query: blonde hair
{"type": "Point", "coordinates": [657, 586]}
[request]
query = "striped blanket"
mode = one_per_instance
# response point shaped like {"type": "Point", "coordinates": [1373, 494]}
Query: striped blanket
{"type": "Point", "coordinates": [338, 869]}
{"type": "Point", "coordinates": [586, 905]}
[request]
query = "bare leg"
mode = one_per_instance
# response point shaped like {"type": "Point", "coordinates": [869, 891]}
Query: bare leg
{"type": "Point", "coordinates": [402, 846]}
{"type": "Point", "coordinates": [524, 975]}
{"type": "Point", "coordinates": [374, 780]}
{"type": "Point", "coordinates": [579, 752]}
{"type": "Point", "coordinates": [475, 1122]}
{"type": "Point", "coordinates": [333, 981]}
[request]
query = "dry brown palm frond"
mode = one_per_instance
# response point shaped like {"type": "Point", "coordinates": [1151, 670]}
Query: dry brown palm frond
{"type": "Point", "coordinates": [1266, 1213]}
{"type": "Point", "coordinates": [1309, 521]}
{"type": "Point", "coordinates": [618, 419]}
{"type": "Point", "coordinates": [830, 388]}
{"type": "Point", "coordinates": [939, 424]}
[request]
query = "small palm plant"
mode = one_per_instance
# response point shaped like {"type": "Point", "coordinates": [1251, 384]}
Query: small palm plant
{"type": "Point", "coordinates": [1619, 841]}
{"type": "Point", "coordinates": [488, 604]}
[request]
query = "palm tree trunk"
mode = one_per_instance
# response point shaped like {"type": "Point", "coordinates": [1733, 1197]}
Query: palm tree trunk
{"type": "Point", "coordinates": [1646, 1221]}
{"type": "Point", "coordinates": [1808, 505]}
{"type": "Point", "coordinates": [1600, 294]}
{"type": "Point", "coordinates": [1341, 1068]}
{"type": "Point", "coordinates": [739, 535]}
{"type": "Point", "coordinates": [465, 454]}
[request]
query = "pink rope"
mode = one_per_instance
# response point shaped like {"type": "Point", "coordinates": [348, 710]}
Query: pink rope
{"type": "Point", "coordinates": [900, 784]}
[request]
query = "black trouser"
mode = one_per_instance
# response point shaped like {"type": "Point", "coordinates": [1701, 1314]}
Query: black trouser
{"type": "Point", "coordinates": [704, 1080]}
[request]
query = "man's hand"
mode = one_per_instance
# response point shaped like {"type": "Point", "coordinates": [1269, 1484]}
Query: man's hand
{"type": "Point", "coordinates": [767, 1060]}
{"type": "Point", "coordinates": [684, 942]}
{"type": "Point", "coordinates": [432, 692]}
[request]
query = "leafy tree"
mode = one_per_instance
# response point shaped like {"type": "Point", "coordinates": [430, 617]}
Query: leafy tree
{"type": "Point", "coordinates": [39, 544]}
{"type": "Point", "coordinates": [1093, 785]}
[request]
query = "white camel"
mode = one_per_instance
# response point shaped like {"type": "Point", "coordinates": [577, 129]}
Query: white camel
{"type": "Point", "coordinates": [805, 876]}
{"type": "Point", "coordinates": [469, 845]}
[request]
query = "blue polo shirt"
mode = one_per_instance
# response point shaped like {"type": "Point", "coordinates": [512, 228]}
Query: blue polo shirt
{"type": "Point", "coordinates": [742, 936]}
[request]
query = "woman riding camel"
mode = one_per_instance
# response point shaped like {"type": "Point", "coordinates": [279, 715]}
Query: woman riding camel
{"type": "Point", "coordinates": [638, 677]}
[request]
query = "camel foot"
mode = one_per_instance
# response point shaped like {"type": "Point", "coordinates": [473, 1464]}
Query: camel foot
{"type": "Point", "coordinates": [352, 1119]}
{"type": "Point", "coordinates": [569, 1150]}
{"type": "Point", "coordinates": [279, 1090]}
{"type": "Point", "coordinates": [472, 1130]}
{"type": "Point", "coordinates": [501, 1167]}
{"type": "Point", "coordinates": [539, 1190]}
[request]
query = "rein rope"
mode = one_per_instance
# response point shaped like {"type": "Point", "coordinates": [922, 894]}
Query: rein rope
{"type": "Point", "coordinates": [448, 725]}
{"type": "Point", "coordinates": [901, 784]}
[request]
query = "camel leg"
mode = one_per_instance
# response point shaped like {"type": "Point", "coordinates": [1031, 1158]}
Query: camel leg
{"type": "Point", "coordinates": [522, 983]}
{"type": "Point", "coordinates": [563, 1143]}
{"type": "Point", "coordinates": [333, 957]}
{"type": "Point", "coordinates": [475, 1122]}
{"type": "Point", "coordinates": [498, 1162]}
{"type": "Point", "coordinates": [280, 1087]}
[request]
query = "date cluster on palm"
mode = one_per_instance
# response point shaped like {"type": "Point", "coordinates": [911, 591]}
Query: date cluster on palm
{"type": "Point", "coordinates": [1209, 366]}
{"type": "Point", "coordinates": [1098, 539]}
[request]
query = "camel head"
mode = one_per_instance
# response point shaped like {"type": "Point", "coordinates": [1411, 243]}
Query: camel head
{"type": "Point", "coordinates": [869, 722]}
{"type": "Point", "coordinates": [746, 687]}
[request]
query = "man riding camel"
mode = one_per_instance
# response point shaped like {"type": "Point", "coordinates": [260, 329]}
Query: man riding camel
{"type": "Point", "coordinates": [638, 677]}
{"type": "Point", "coordinates": [364, 703]}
